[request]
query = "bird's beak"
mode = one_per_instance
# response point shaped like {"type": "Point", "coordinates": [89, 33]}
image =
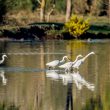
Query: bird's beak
{"type": "Point", "coordinates": [93, 52]}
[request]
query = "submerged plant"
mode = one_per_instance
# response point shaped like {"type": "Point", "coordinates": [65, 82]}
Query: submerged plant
{"type": "Point", "coordinates": [76, 26]}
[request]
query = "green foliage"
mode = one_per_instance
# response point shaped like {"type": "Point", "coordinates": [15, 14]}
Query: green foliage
{"type": "Point", "coordinates": [76, 26]}
{"type": "Point", "coordinates": [15, 5]}
{"type": "Point", "coordinates": [2, 9]}
{"type": "Point", "coordinates": [60, 6]}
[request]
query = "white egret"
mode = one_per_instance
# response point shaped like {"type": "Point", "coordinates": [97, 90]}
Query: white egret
{"type": "Point", "coordinates": [3, 58]}
{"type": "Point", "coordinates": [80, 61]}
{"type": "Point", "coordinates": [67, 66]}
{"type": "Point", "coordinates": [4, 80]}
{"type": "Point", "coordinates": [55, 63]}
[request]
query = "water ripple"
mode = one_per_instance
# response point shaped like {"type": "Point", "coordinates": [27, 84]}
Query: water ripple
{"type": "Point", "coordinates": [31, 53]}
{"type": "Point", "coordinates": [21, 69]}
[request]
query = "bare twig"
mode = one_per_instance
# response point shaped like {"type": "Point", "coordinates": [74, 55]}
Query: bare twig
{"type": "Point", "coordinates": [39, 2]}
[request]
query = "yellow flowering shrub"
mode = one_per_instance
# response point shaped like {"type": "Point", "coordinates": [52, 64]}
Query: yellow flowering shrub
{"type": "Point", "coordinates": [76, 26]}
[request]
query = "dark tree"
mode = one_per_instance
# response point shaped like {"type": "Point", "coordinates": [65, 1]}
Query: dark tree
{"type": "Point", "coordinates": [2, 10]}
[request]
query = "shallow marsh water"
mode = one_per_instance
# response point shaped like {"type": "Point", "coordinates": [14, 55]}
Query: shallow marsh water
{"type": "Point", "coordinates": [30, 86]}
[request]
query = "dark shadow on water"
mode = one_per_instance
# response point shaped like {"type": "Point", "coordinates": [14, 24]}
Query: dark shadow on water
{"type": "Point", "coordinates": [69, 98]}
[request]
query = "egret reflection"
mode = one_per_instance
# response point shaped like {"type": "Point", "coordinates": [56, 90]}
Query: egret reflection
{"type": "Point", "coordinates": [52, 74]}
{"type": "Point", "coordinates": [80, 81]}
{"type": "Point", "coordinates": [73, 77]}
{"type": "Point", "coordinates": [66, 78]}
{"type": "Point", "coordinates": [2, 75]}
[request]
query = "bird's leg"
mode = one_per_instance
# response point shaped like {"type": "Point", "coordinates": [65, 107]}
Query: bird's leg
{"type": "Point", "coordinates": [76, 69]}
{"type": "Point", "coordinates": [53, 68]}
{"type": "Point", "coordinates": [66, 71]}
{"type": "Point", "coordinates": [49, 67]}
{"type": "Point", "coordinates": [71, 69]}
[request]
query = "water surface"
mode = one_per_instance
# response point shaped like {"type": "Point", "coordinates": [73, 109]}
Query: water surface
{"type": "Point", "coordinates": [30, 86]}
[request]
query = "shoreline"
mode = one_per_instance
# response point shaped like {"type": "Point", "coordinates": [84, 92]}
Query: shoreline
{"type": "Point", "coordinates": [51, 31]}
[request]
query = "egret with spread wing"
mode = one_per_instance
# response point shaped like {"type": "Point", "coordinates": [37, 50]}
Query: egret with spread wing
{"type": "Point", "coordinates": [80, 61]}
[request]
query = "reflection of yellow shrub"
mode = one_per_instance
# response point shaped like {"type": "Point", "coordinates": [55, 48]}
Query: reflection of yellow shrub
{"type": "Point", "coordinates": [76, 26]}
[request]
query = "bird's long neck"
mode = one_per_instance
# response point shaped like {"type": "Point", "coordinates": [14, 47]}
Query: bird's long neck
{"type": "Point", "coordinates": [63, 60]}
{"type": "Point", "coordinates": [2, 60]}
{"type": "Point", "coordinates": [87, 56]}
{"type": "Point", "coordinates": [76, 60]}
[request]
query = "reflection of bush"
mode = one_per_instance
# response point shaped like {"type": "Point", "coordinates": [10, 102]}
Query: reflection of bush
{"type": "Point", "coordinates": [10, 107]}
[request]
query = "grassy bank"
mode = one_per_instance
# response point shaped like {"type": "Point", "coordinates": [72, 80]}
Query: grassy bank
{"type": "Point", "coordinates": [98, 27]}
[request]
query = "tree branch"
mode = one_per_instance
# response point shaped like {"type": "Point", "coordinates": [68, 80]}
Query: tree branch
{"type": "Point", "coordinates": [39, 2]}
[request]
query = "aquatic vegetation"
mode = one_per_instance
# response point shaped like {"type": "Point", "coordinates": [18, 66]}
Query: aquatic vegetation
{"type": "Point", "coordinates": [10, 107]}
{"type": "Point", "coordinates": [76, 26]}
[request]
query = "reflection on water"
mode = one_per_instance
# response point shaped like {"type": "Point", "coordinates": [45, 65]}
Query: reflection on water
{"type": "Point", "coordinates": [69, 98]}
{"type": "Point", "coordinates": [2, 75]}
{"type": "Point", "coordinates": [52, 74]}
{"type": "Point", "coordinates": [73, 77]}
{"type": "Point", "coordinates": [30, 86]}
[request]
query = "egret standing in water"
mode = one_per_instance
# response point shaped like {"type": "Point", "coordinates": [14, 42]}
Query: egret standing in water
{"type": "Point", "coordinates": [3, 58]}
{"type": "Point", "coordinates": [79, 62]}
{"type": "Point", "coordinates": [67, 66]}
{"type": "Point", "coordinates": [55, 63]}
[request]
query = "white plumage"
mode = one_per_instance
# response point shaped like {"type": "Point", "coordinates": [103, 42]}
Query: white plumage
{"type": "Point", "coordinates": [55, 63]}
{"type": "Point", "coordinates": [67, 66]}
{"type": "Point", "coordinates": [80, 61]}
{"type": "Point", "coordinates": [3, 58]}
